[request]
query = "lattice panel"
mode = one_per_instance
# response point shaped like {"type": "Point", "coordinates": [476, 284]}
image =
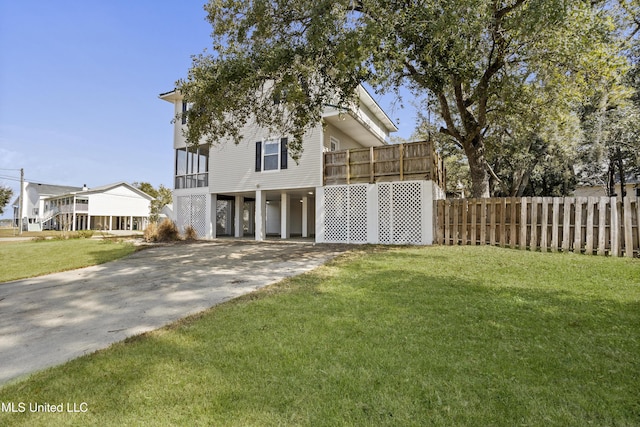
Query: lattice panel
{"type": "Point", "coordinates": [199, 214]}
{"type": "Point", "coordinates": [358, 213]}
{"type": "Point", "coordinates": [336, 213]}
{"type": "Point", "coordinates": [407, 213]}
{"type": "Point", "coordinates": [184, 212]}
{"type": "Point", "coordinates": [192, 210]}
{"type": "Point", "coordinates": [400, 213]}
{"type": "Point", "coordinates": [385, 213]}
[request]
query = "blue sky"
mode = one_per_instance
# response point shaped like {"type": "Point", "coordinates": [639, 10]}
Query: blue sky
{"type": "Point", "coordinates": [79, 86]}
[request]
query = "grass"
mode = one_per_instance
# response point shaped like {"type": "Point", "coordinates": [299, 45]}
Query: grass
{"type": "Point", "coordinates": [34, 258]}
{"type": "Point", "coordinates": [403, 336]}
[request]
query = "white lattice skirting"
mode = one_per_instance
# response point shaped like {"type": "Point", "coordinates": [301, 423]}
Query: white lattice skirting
{"type": "Point", "coordinates": [388, 213]}
{"type": "Point", "coordinates": [192, 210]}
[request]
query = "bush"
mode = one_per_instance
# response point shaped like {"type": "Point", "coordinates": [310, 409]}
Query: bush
{"type": "Point", "coordinates": [85, 234]}
{"type": "Point", "coordinates": [167, 231]}
{"type": "Point", "coordinates": [190, 233]}
{"type": "Point", "coordinates": [151, 232]}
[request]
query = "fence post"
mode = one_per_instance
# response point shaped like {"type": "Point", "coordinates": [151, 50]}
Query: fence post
{"type": "Point", "coordinates": [590, 232]}
{"type": "Point", "coordinates": [503, 222]}
{"type": "Point", "coordinates": [464, 223]}
{"type": "Point", "coordinates": [555, 224]}
{"type": "Point", "coordinates": [628, 228]}
{"type": "Point", "coordinates": [492, 221]}
{"type": "Point", "coordinates": [454, 230]}
{"type": "Point", "coordinates": [566, 224]}
{"type": "Point", "coordinates": [602, 227]}
{"type": "Point", "coordinates": [544, 225]}
{"type": "Point", "coordinates": [615, 228]}
{"type": "Point", "coordinates": [577, 229]}
{"type": "Point", "coordinates": [533, 241]}
{"type": "Point", "coordinates": [523, 223]}
{"type": "Point", "coordinates": [483, 222]}
{"type": "Point", "coordinates": [513, 233]}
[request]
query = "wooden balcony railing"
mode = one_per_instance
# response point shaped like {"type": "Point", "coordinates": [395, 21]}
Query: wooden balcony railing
{"type": "Point", "coordinates": [396, 162]}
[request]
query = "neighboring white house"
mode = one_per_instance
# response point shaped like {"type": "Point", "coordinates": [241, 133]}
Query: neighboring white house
{"type": "Point", "coordinates": [118, 206]}
{"type": "Point", "coordinates": [632, 186]}
{"type": "Point", "coordinates": [255, 188]}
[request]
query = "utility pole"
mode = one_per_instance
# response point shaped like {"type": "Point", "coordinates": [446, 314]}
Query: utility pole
{"type": "Point", "coordinates": [21, 198]}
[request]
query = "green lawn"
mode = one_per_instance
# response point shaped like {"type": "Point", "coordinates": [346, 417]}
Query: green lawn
{"type": "Point", "coordinates": [34, 258]}
{"type": "Point", "coordinates": [477, 336]}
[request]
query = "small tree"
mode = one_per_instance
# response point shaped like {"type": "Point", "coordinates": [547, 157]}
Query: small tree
{"type": "Point", "coordinates": [161, 197]}
{"type": "Point", "coordinates": [5, 197]}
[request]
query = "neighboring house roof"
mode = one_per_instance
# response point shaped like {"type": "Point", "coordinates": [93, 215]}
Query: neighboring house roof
{"type": "Point", "coordinates": [48, 190]}
{"type": "Point", "coordinates": [107, 187]}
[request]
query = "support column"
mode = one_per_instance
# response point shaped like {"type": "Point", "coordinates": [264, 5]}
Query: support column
{"type": "Point", "coordinates": [305, 216]}
{"type": "Point", "coordinates": [319, 215]}
{"type": "Point", "coordinates": [261, 218]}
{"type": "Point", "coordinates": [285, 232]}
{"type": "Point", "coordinates": [88, 222]}
{"type": "Point", "coordinates": [131, 223]}
{"type": "Point", "coordinates": [110, 223]}
{"type": "Point", "coordinates": [211, 212]}
{"type": "Point", "coordinates": [239, 231]}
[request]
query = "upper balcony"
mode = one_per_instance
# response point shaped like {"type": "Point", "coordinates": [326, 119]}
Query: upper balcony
{"type": "Point", "coordinates": [396, 162]}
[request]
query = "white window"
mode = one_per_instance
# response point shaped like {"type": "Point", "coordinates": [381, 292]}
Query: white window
{"type": "Point", "coordinates": [271, 158]}
{"type": "Point", "coordinates": [334, 143]}
{"type": "Point", "coordinates": [271, 154]}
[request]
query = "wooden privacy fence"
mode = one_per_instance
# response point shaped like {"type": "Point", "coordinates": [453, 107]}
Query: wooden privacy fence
{"type": "Point", "coordinates": [591, 225]}
{"type": "Point", "coordinates": [394, 162]}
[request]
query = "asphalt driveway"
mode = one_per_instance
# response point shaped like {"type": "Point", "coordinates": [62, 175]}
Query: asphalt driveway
{"type": "Point", "coordinates": [48, 320]}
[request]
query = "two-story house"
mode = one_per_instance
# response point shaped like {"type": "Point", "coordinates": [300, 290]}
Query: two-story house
{"type": "Point", "coordinates": [256, 189]}
{"type": "Point", "coordinates": [118, 206]}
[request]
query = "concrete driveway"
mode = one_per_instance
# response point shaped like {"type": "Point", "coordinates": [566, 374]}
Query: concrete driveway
{"type": "Point", "coordinates": [48, 320]}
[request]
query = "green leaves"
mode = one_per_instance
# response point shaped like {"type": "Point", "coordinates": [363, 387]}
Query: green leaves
{"type": "Point", "coordinates": [482, 60]}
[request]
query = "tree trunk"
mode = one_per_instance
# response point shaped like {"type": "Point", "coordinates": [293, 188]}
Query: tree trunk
{"type": "Point", "coordinates": [477, 168]}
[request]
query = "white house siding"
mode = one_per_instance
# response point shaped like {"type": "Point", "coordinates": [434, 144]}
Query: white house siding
{"type": "Point", "coordinates": [232, 167]}
{"type": "Point", "coordinates": [119, 201]}
{"type": "Point", "coordinates": [599, 190]}
{"type": "Point", "coordinates": [346, 142]}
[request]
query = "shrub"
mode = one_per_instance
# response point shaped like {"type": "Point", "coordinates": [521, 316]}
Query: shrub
{"type": "Point", "coordinates": [151, 232]}
{"type": "Point", "coordinates": [167, 231]}
{"type": "Point", "coordinates": [190, 233]}
{"type": "Point", "coordinates": [85, 234]}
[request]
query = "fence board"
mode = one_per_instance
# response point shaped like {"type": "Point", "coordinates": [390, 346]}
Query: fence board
{"type": "Point", "coordinates": [577, 228]}
{"type": "Point", "coordinates": [590, 225]}
{"type": "Point", "coordinates": [523, 223]}
{"type": "Point", "coordinates": [566, 224]}
{"type": "Point", "coordinates": [533, 242]}
{"type": "Point", "coordinates": [628, 228]}
{"type": "Point", "coordinates": [544, 225]}
{"type": "Point", "coordinates": [602, 230]}
{"type": "Point", "coordinates": [483, 221]}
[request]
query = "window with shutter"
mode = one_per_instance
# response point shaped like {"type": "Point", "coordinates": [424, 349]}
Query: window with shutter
{"type": "Point", "coordinates": [271, 154]}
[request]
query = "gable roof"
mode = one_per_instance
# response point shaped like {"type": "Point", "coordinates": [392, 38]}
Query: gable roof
{"type": "Point", "coordinates": [51, 189]}
{"type": "Point", "coordinates": [103, 188]}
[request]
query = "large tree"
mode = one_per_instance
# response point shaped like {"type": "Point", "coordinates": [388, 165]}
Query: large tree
{"type": "Point", "coordinates": [281, 62]}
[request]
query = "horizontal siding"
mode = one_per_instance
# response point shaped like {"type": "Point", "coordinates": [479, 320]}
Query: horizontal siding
{"type": "Point", "coordinates": [346, 142]}
{"type": "Point", "coordinates": [118, 201]}
{"type": "Point", "coordinates": [232, 167]}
